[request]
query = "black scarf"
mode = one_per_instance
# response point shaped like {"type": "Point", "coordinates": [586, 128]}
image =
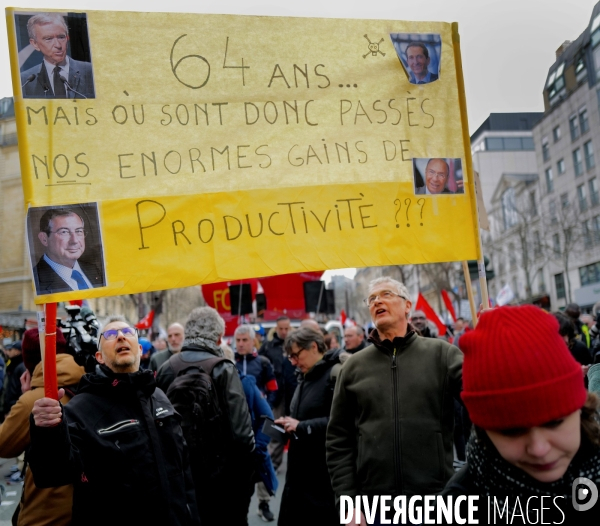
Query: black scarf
{"type": "Point", "coordinates": [492, 475]}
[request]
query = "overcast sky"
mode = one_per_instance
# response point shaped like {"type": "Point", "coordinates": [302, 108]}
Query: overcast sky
{"type": "Point", "coordinates": [507, 45]}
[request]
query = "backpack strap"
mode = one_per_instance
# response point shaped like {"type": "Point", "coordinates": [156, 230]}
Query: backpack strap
{"type": "Point", "coordinates": [335, 372]}
{"type": "Point", "coordinates": [178, 365]}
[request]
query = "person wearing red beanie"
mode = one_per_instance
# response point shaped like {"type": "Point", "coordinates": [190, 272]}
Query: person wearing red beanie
{"type": "Point", "coordinates": [536, 428]}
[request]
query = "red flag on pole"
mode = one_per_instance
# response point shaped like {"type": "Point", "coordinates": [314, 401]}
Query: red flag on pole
{"type": "Point", "coordinates": [448, 303]}
{"type": "Point", "coordinates": [343, 318]}
{"type": "Point", "coordinates": [430, 314]}
{"type": "Point", "coordinates": [146, 321]}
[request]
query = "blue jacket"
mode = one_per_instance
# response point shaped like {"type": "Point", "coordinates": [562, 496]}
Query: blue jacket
{"type": "Point", "coordinates": [259, 407]}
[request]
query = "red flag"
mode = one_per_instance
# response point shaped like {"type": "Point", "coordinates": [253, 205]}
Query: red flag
{"type": "Point", "coordinates": [448, 303]}
{"type": "Point", "coordinates": [343, 317]}
{"type": "Point", "coordinates": [430, 314]}
{"type": "Point", "coordinates": [146, 321]}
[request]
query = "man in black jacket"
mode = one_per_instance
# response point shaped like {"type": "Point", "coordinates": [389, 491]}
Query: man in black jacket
{"type": "Point", "coordinates": [118, 442]}
{"type": "Point", "coordinates": [286, 381]}
{"type": "Point", "coordinates": [228, 492]}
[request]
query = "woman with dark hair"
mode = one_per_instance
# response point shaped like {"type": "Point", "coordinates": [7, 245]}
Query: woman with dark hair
{"type": "Point", "coordinates": [307, 496]}
{"type": "Point", "coordinates": [567, 329]}
{"type": "Point", "coordinates": [536, 427]}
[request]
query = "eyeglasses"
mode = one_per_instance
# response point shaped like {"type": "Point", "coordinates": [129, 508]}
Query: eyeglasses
{"type": "Point", "coordinates": [111, 334]}
{"type": "Point", "coordinates": [384, 295]}
{"type": "Point", "coordinates": [418, 318]}
{"type": "Point", "coordinates": [295, 355]}
{"type": "Point", "coordinates": [65, 233]}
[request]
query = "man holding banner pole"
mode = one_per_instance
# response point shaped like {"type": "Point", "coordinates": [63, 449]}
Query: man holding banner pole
{"type": "Point", "coordinates": [119, 432]}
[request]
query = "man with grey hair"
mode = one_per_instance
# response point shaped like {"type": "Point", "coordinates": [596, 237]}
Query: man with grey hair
{"type": "Point", "coordinates": [58, 76]}
{"type": "Point", "coordinates": [391, 425]}
{"type": "Point", "coordinates": [250, 363]}
{"type": "Point", "coordinates": [224, 495]}
{"type": "Point", "coordinates": [175, 335]}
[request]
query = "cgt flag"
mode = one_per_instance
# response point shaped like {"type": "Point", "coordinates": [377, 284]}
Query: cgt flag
{"type": "Point", "coordinates": [430, 314]}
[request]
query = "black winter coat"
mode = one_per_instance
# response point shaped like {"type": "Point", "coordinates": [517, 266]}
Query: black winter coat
{"type": "Point", "coordinates": [121, 445]}
{"type": "Point", "coordinates": [308, 497]}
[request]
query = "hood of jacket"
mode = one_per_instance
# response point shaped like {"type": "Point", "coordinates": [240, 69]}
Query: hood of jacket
{"type": "Point", "coordinates": [105, 381]}
{"type": "Point", "coordinates": [68, 372]}
{"type": "Point", "coordinates": [330, 358]}
{"type": "Point", "coordinates": [249, 357]}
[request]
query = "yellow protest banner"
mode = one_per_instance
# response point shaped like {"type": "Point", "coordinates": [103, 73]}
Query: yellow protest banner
{"type": "Point", "coordinates": [163, 150]}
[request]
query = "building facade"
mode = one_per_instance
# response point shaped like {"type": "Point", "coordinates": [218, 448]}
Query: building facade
{"type": "Point", "coordinates": [545, 222]}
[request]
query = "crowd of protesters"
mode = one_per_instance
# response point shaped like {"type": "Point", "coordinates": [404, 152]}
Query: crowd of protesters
{"type": "Point", "coordinates": [182, 430]}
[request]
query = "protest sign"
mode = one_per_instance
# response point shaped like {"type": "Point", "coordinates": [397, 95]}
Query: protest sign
{"type": "Point", "coordinates": [206, 148]}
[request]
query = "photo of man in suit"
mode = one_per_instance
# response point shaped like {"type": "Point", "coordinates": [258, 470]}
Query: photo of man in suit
{"type": "Point", "coordinates": [436, 177]}
{"type": "Point", "coordinates": [60, 269]}
{"type": "Point", "coordinates": [58, 76]}
{"type": "Point", "coordinates": [417, 57]}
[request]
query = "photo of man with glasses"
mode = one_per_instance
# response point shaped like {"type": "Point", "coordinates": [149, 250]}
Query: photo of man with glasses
{"type": "Point", "coordinates": [438, 176]}
{"type": "Point", "coordinates": [62, 233]}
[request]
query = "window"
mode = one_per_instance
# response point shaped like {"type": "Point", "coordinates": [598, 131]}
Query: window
{"type": "Point", "coordinates": [552, 210]}
{"type": "Point", "coordinates": [559, 282]}
{"type": "Point", "coordinates": [556, 134]}
{"type": "Point", "coordinates": [532, 204]}
{"type": "Point", "coordinates": [582, 198]}
{"type": "Point", "coordinates": [556, 84]}
{"type": "Point", "coordinates": [537, 245]}
{"type": "Point", "coordinates": [545, 149]}
{"type": "Point", "coordinates": [564, 200]}
{"type": "Point", "coordinates": [584, 122]}
{"type": "Point", "coordinates": [500, 264]}
{"type": "Point", "coordinates": [574, 127]}
{"type": "Point", "coordinates": [512, 257]}
{"type": "Point", "coordinates": [577, 162]}
{"type": "Point", "coordinates": [593, 187]}
{"type": "Point", "coordinates": [509, 210]}
{"type": "Point", "coordinates": [580, 69]}
{"type": "Point", "coordinates": [541, 282]}
{"type": "Point", "coordinates": [588, 150]}
{"type": "Point", "coordinates": [528, 143]}
{"type": "Point", "coordinates": [589, 274]}
{"type": "Point", "coordinates": [596, 228]}
{"type": "Point", "coordinates": [587, 233]}
{"type": "Point", "coordinates": [509, 143]}
{"type": "Point", "coordinates": [560, 166]}
{"type": "Point", "coordinates": [556, 244]}
{"type": "Point", "coordinates": [549, 180]}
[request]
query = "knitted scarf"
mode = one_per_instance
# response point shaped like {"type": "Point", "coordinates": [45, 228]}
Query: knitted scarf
{"type": "Point", "coordinates": [492, 475]}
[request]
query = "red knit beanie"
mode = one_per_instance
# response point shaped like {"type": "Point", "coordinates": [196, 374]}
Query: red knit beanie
{"type": "Point", "coordinates": [32, 354]}
{"type": "Point", "coordinates": [518, 371]}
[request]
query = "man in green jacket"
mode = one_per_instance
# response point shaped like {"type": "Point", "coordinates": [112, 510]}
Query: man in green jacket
{"type": "Point", "coordinates": [392, 419]}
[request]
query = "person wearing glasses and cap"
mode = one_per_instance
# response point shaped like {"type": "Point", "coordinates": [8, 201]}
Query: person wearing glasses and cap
{"type": "Point", "coordinates": [62, 232]}
{"type": "Point", "coordinates": [391, 426]}
{"type": "Point", "coordinates": [118, 442]}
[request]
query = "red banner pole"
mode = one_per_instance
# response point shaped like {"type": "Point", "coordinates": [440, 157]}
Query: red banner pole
{"type": "Point", "coordinates": [50, 378]}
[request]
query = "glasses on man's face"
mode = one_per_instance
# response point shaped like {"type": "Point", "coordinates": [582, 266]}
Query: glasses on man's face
{"type": "Point", "coordinates": [295, 355]}
{"type": "Point", "coordinates": [384, 295]}
{"type": "Point", "coordinates": [65, 233]}
{"type": "Point", "coordinates": [111, 334]}
{"type": "Point", "coordinates": [418, 318]}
